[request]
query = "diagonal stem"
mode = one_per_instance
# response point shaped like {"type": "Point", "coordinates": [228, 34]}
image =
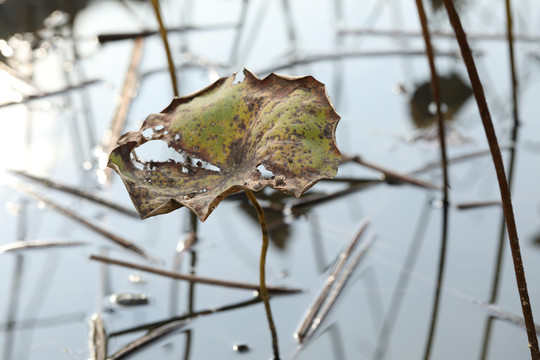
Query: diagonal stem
{"type": "Point", "coordinates": [163, 33]}
{"type": "Point", "coordinates": [501, 176]}
{"type": "Point", "coordinates": [262, 272]}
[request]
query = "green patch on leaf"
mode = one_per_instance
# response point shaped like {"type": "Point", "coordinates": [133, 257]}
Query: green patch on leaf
{"type": "Point", "coordinates": [222, 134]}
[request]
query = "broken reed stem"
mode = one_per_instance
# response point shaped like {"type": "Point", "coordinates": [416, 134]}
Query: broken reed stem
{"type": "Point", "coordinates": [148, 338]}
{"type": "Point", "coordinates": [338, 288]}
{"type": "Point", "coordinates": [439, 34]}
{"type": "Point", "coordinates": [436, 94]}
{"type": "Point", "coordinates": [510, 37]}
{"type": "Point", "coordinates": [163, 33]}
{"type": "Point", "coordinates": [96, 228]}
{"type": "Point", "coordinates": [185, 317]}
{"type": "Point", "coordinates": [501, 176]}
{"type": "Point", "coordinates": [97, 338]}
{"type": "Point", "coordinates": [193, 278]}
{"type": "Point", "coordinates": [44, 95]}
{"type": "Point", "coordinates": [262, 271]}
{"type": "Point", "coordinates": [388, 173]}
{"type": "Point", "coordinates": [129, 90]}
{"type": "Point", "coordinates": [477, 204]}
{"type": "Point", "coordinates": [75, 191]}
{"type": "Point", "coordinates": [313, 310]}
{"type": "Point", "coordinates": [468, 156]}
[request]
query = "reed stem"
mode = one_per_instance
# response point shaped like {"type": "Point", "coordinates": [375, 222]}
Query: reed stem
{"type": "Point", "coordinates": [501, 176]}
{"type": "Point", "coordinates": [163, 33]}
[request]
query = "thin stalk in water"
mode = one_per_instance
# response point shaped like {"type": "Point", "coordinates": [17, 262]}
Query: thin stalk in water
{"type": "Point", "coordinates": [510, 38]}
{"type": "Point", "coordinates": [501, 176]}
{"type": "Point", "coordinates": [436, 95]}
{"type": "Point", "coordinates": [163, 33]}
{"type": "Point", "coordinates": [262, 272]}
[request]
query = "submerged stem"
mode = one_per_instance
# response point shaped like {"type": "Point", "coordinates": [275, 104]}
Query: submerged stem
{"type": "Point", "coordinates": [163, 33]}
{"type": "Point", "coordinates": [262, 272]}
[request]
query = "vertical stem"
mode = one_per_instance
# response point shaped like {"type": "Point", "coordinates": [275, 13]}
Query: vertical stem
{"type": "Point", "coordinates": [163, 33]}
{"type": "Point", "coordinates": [262, 272]}
{"type": "Point", "coordinates": [501, 177]}
{"type": "Point", "coordinates": [510, 37]}
{"type": "Point", "coordinates": [436, 95]}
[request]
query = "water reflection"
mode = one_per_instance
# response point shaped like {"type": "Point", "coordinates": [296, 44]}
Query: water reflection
{"type": "Point", "coordinates": [454, 94]}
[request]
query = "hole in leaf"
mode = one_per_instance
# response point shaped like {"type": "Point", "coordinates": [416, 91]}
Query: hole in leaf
{"type": "Point", "coordinates": [136, 161]}
{"type": "Point", "coordinates": [148, 133]}
{"type": "Point", "coordinates": [265, 172]}
{"type": "Point", "coordinates": [158, 151]}
{"type": "Point", "coordinates": [204, 165]}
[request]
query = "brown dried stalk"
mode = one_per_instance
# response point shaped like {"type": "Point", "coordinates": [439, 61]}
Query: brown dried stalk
{"type": "Point", "coordinates": [501, 176]}
{"type": "Point", "coordinates": [193, 278]}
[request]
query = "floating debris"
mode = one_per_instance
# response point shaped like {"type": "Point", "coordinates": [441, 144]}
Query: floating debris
{"type": "Point", "coordinates": [149, 338]}
{"type": "Point", "coordinates": [38, 244]}
{"type": "Point", "coordinates": [97, 338]}
{"type": "Point", "coordinates": [75, 191]}
{"type": "Point", "coordinates": [241, 348]}
{"type": "Point", "coordinates": [129, 299]}
{"type": "Point", "coordinates": [136, 279]}
{"type": "Point", "coordinates": [275, 290]}
{"type": "Point", "coordinates": [332, 287]}
{"type": "Point", "coordinates": [94, 227]}
{"type": "Point", "coordinates": [323, 295]}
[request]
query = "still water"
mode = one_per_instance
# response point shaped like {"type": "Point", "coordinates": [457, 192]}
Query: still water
{"type": "Point", "coordinates": [370, 56]}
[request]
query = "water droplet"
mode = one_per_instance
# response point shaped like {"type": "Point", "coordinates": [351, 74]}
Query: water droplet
{"type": "Point", "coordinates": [136, 279]}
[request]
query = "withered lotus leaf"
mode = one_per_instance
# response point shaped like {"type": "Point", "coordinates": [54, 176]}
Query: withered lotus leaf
{"type": "Point", "coordinates": [222, 134]}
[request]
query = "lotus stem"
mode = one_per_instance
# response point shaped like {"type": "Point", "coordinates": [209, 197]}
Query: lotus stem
{"type": "Point", "coordinates": [163, 33]}
{"type": "Point", "coordinates": [262, 272]}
